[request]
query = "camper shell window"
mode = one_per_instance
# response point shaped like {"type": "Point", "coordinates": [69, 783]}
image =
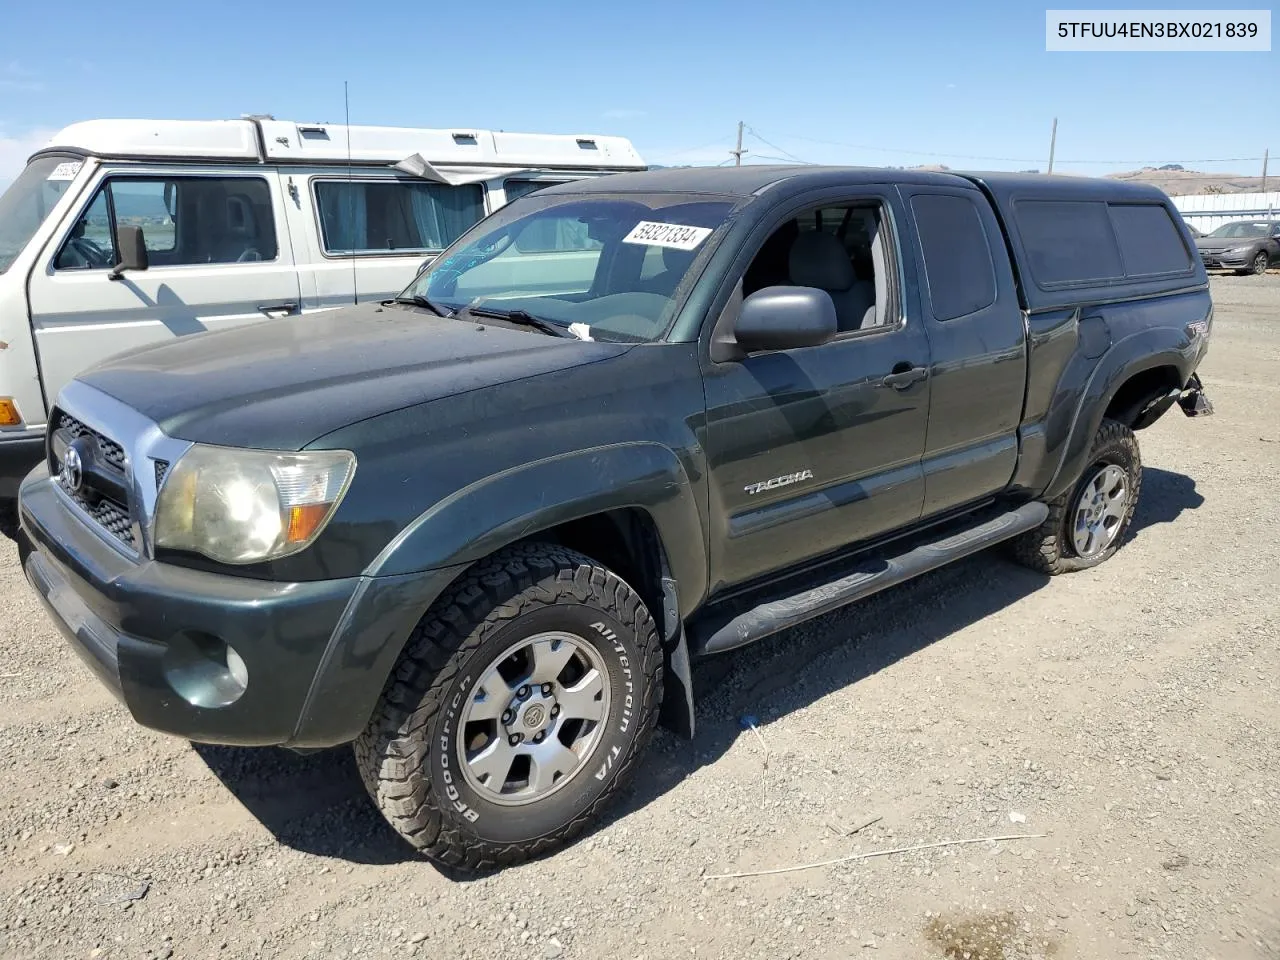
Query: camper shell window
{"type": "Point", "coordinates": [1096, 242]}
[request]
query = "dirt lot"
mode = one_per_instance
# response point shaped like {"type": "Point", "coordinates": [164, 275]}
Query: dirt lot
{"type": "Point", "coordinates": [1128, 714]}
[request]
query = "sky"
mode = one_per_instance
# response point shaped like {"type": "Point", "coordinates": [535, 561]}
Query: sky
{"type": "Point", "coordinates": [830, 81]}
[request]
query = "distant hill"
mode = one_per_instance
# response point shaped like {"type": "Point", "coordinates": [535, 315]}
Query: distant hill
{"type": "Point", "coordinates": [139, 205]}
{"type": "Point", "coordinates": [1176, 181]}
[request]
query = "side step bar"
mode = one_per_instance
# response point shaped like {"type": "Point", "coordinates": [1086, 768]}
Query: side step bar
{"type": "Point", "coordinates": [873, 574]}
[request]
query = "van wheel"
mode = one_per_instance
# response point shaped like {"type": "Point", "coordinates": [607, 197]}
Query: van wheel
{"type": "Point", "coordinates": [518, 710]}
{"type": "Point", "coordinates": [1087, 524]}
{"type": "Point", "coordinates": [1260, 263]}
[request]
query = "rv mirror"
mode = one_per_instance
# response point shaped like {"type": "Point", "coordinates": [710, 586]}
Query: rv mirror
{"type": "Point", "coordinates": [131, 251]}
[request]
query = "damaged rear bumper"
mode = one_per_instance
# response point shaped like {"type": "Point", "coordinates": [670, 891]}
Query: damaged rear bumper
{"type": "Point", "coordinates": [1193, 400]}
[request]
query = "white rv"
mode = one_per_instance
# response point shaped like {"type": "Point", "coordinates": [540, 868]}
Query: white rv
{"type": "Point", "coordinates": [121, 233]}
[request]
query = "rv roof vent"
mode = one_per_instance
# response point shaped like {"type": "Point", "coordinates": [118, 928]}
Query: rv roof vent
{"type": "Point", "coordinates": [466, 139]}
{"type": "Point", "coordinates": [586, 144]}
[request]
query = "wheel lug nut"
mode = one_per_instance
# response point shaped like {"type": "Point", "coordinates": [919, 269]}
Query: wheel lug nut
{"type": "Point", "coordinates": [539, 738]}
{"type": "Point", "coordinates": [508, 717]}
{"type": "Point", "coordinates": [515, 739]}
{"type": "Point", "coordinates": [555, 711]}
{"type": "Point", "coordinates": [523, 693]}
{"type": "Point", "coordinates": [546, 689]}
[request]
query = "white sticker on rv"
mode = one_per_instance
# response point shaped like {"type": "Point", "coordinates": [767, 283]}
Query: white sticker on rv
{"type": "Point", "coordinates": [652, 234]}
{"type": "Point", "coordinates": [66, 170]}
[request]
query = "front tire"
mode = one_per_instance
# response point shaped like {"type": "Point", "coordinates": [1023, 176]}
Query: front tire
{"type": "Point", "coordinates": [1088, 523]}
{"type": "Point", "coordinates": [1260, 263]}
{"type": "Point", "coordinates": [517, 711]}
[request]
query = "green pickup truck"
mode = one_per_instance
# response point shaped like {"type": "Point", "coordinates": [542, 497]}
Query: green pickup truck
{"type": "Point", "coordinates": [481, 530]}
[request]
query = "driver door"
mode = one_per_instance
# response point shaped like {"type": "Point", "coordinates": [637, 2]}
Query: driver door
{"type": "Point", "coordinates": [219, 256]}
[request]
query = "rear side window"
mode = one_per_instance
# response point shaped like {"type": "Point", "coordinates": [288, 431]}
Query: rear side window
{"type": "Point", "coordinates": [957, 257]}
{"type": "Point", "coordinates": [395, 216]}
{"type": "Point", "coordinates": [1149, 240]}
{"type": "Point", "coordinates": [1068, 241]}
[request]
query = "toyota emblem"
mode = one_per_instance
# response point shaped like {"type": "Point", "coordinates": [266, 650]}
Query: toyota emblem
{"type": "Point", "coordinates": [72, 472]}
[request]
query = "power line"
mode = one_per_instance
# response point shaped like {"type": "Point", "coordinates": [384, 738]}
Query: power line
{"type": "Point", "coordinates": [974, 156]}
{"type": "Point", "coordinates": [786, 153]}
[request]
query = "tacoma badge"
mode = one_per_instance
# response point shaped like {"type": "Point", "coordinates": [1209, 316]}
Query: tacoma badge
{"type": "Point", "coordinates": [783, 481]}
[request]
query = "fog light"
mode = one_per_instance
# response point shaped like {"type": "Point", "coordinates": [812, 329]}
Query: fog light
{"type": "Point", "coordinates": [204, 670]}
{"type": "Point", "coordinates": [238, 668]}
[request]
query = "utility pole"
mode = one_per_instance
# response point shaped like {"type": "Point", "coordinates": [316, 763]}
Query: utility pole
{"type": "Point", "coordinates": [1053, 142]}
{"type": "Point", "coordinates": [737, 154]}
{"type": "Point", "coordinates": [1266, 155]}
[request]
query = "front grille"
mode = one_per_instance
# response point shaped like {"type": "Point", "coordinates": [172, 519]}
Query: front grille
{"type": "Point", "coordinates": [108, 514]}
{"type": "Point", "coordinates": [108, 507]}
{"type": "Point", "coordinates": [73, 429]}
{"type": "Point", "coordinates": [162, 470]}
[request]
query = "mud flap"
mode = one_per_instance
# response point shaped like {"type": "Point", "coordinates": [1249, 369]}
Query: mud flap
{"type": "Point", "coordinates": [676, 712]}
{"type": "Point", "coordinates": [1193, 400]}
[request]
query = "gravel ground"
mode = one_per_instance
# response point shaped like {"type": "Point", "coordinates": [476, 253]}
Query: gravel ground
{"type": "Point", "coordinates": [1128, 714]}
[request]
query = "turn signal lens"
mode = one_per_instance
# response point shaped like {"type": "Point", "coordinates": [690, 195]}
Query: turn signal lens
{"type": "Point", "coordinates": [9, 413]}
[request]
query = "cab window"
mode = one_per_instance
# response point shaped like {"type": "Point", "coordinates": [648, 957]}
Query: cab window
{"type": "Point", "coordinates": [185, 221]}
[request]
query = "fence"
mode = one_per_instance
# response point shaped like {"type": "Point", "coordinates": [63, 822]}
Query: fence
{"type": "Point", "coordinates": [1208, 211]}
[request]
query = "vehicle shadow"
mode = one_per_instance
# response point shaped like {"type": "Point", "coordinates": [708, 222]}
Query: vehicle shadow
{"type": "Point", "coordinates": [316, 804]}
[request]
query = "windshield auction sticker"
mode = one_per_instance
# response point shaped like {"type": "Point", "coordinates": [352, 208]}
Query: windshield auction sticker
{"type": "Point", "coordinates": [1231, 31]}
{"type": "Point", "coordinates": [674, 235]}
{"type": "Point", "coordinates": [66, 171]}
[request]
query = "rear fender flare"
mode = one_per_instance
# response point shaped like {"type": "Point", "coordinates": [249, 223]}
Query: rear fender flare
{"type": "Point", "coordinates": [1151, 348]}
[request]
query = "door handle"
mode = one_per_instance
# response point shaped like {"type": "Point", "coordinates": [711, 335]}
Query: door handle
{"type": "Point", "coordinates": [275, 310]}
{"type": "Point", "coordinates": [904, 375]}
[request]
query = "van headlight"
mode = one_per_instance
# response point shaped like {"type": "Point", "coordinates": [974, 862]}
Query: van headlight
{"type": "Point", "coordinates": [247, 506]}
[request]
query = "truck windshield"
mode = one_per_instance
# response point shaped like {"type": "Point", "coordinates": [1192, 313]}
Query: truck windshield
{"type": "Point", "coordinates": [28, 201]}
{"type": "Point", "coordinates": [612, 267]}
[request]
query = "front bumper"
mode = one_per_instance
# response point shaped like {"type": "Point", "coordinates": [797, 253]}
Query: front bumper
{"type": "Point", "coordinates": [1224, 261]}
{"type": "Point", "coordinates": [317, 653]}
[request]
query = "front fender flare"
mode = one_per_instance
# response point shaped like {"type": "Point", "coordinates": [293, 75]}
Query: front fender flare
{"type": "Point", "coordinates": [1151, 348]}
{"type": "Point", "coordinates": [498, 510]}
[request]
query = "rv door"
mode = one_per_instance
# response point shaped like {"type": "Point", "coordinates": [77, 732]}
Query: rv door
{"type": "Point", "coordinates": [218, 254]}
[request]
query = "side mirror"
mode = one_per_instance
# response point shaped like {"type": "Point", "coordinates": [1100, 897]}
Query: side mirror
{"type": "Point", "coordinates": [131, 251]}
{"type": "Point", "coordinates": [784, 318]}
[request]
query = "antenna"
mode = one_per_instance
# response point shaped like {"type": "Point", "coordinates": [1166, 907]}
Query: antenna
{"type": "Point", "coordinates": [346, 107]}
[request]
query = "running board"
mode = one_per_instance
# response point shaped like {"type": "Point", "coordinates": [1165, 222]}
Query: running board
{"type": "Point", "coordinates": [872, 574]}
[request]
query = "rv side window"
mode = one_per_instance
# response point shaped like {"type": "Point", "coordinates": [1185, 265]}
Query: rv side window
{"type": "Point", "coordinates": [516, 188]}
{"type": "Point", "coordinates": [1068, 241]}
{"type": "Point", "coordinates": [1149, 240]}
{"type": "Point", "coordinates": [185, 221]}
{"type": "Point", "coordinates": [394, 216]}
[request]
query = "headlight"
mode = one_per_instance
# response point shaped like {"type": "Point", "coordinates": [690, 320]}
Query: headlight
{"type": "Point", "coordinates": [246, 506]}
{"type": "Point", "coordinates": [1244, 249]}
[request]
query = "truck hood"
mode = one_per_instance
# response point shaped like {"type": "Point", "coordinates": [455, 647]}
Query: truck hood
{"type": "Point", "coordinates": [281, 384]}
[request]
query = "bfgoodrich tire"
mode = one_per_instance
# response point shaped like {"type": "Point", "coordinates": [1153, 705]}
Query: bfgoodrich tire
{"type": "Point", "coordinates": [1088, 523]}
{"type": "Point", "coordinates": [518, 710]}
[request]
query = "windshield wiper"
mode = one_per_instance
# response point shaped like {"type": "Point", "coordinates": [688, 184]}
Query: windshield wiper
{"type": "Point", "coordinates": [522, 317]}
{"type": "Point", "coordinates": [417, 300]}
